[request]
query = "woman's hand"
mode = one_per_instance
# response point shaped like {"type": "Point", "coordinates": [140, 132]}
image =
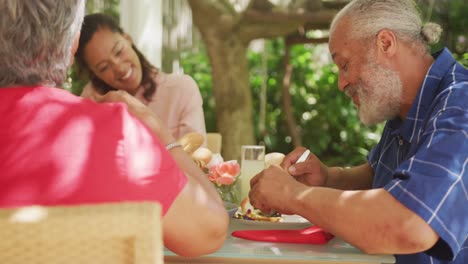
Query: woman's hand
{"type": "Point", "coordinates": [139, 110]}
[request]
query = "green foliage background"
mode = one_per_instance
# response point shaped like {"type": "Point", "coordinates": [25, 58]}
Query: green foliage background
{"type": "Point", "coordinates": [329, 122]}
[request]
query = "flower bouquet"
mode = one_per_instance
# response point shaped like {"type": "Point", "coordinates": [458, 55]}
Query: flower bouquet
{"type": "Point", "coordinates": [224, 176]}
{"type": "Point", "coordinates": [222, 173]}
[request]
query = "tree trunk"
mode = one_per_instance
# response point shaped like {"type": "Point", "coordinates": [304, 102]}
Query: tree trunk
{"type": "Point", "coordinates": [228, 57]}
{"type": "Point", "coordinates": [227, 33]}
{"type": "Point", "coordinates": [286, 98]}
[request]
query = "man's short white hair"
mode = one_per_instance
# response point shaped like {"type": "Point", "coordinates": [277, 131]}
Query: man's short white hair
{"type": "Point", "coordinates": [402, 17]}
{"type": "Point", "coordinates": [37, 37]}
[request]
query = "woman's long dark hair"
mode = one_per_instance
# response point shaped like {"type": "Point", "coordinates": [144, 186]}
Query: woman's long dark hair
{"type": "Point", "coordinates": [93, 23]}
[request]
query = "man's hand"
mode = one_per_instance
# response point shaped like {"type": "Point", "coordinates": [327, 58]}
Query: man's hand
{"type": "Point", "coordinates": [272, 189]}
{"type": "Point", "coordinates": [311, 172]}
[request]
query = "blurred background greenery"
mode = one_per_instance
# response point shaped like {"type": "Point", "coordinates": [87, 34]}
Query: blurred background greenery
{"type": "Point", "coordinates": [328, 120]}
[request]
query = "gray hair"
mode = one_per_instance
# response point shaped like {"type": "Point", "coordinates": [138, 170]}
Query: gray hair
{"type": "Point", "coordinates": [36, 40]}
{"type": "Point", "coordinates": [402, 17]}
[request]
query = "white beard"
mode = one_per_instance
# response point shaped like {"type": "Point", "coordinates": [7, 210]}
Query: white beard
{"type": "Point", "coordinates": [379, 92]}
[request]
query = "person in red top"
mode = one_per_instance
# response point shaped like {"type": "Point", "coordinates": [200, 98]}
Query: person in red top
{"type": "Point", "coordinates": [60, 149]}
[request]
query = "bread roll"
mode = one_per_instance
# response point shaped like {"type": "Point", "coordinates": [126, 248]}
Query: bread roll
{"type": "Point", "coordinates": [191, 141]}
{"type": "Point", "coordinates": [274, 158]}
{"type": "Point", "coordinates": [203, 155]}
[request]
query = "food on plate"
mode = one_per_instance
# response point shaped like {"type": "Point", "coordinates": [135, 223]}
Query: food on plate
{"type": "Point", "coordinates": [247, 212]}
{"type": "Point", "coordinates": [191, 142]}
{"type": "Point", "coordinates": [274, 158]}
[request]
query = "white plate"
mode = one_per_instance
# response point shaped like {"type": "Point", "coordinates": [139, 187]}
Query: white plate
{"type": "Point", "coordinates": [287, 221]}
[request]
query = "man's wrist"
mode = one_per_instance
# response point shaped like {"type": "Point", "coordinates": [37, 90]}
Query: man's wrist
{"type": "Point", "coordinates": [334, 175]}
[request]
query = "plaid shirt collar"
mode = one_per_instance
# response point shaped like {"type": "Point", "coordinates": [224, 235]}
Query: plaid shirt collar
{"type": "Point", "coordinates": [408, 128]}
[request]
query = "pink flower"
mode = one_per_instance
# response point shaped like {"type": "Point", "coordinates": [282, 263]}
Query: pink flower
{"type": "Point", "coordinates": [224, 173]}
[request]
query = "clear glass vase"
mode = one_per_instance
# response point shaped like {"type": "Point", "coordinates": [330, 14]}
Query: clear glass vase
{"type": "Point", "coordinates": [228, 193]}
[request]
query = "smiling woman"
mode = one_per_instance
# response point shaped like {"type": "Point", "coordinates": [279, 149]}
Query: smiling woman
{"type": "Point", "coordinates": [108, 57]}
{"type": "Point", "coordinates": [111, 58]}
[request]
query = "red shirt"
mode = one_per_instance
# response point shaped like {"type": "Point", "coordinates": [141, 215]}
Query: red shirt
{"type": "Point", "coordinates": [59, 149]}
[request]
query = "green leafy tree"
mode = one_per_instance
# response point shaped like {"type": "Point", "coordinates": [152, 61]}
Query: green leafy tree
{"type": "Point", "coordinates": [227, 28]}
{"type": "Point", "coordinates": [328, 120]}
{"type": "Point", "coordinates": [451, 15]}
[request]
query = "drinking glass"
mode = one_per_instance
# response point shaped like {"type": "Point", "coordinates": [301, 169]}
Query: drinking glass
{"type": "Point", "coordinates": [252, 162]}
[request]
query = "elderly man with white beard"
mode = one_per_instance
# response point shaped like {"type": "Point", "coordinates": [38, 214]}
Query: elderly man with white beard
{"type": "Point", "coordinates": [410, 198]}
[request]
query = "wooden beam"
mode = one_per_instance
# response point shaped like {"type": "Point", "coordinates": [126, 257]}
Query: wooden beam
{"type": "Point", "coordinates": [300, 39]}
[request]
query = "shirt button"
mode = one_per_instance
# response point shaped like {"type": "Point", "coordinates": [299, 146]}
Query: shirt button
{"type": "Point", "coordinates": [400, 141]}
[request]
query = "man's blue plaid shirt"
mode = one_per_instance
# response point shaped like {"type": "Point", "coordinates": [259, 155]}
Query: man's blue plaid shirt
{"type": "Point", "coordinates": [422, 160]}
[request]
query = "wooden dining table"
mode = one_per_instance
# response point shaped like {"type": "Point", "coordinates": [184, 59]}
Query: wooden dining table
{"type": "Point", "coordinates": [237, 250]}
